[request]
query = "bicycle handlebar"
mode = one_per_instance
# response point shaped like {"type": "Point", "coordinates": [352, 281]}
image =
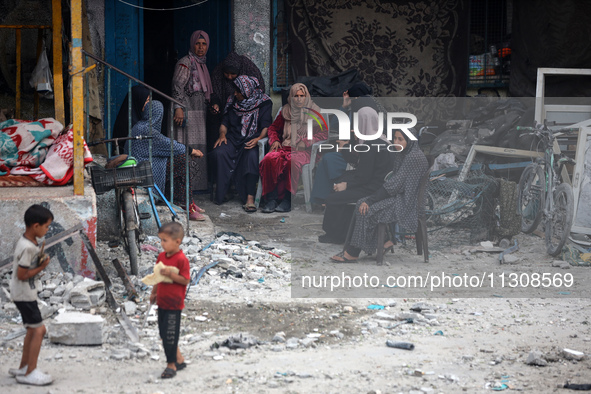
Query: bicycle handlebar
{"type": "Point", "coordinates": [139, 137]}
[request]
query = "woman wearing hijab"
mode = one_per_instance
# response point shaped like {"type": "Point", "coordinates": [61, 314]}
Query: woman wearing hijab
{"type": "Point", "coordinates": [160, 149]}
{"type": "Point", "coordinates": [191, 86]}
{"type": "Point", "coordinates": [247, 116]}
{"type": "Point", "coordinates": [395, 201]}
{"type": "Point", "coordinates": [222, 79]}
{"type": "Point", "coordinates": [371, 167]}
{"type": "Point", "coordinates": [290, 149]}
{"type": "Point", "coordinates": [139, 95]}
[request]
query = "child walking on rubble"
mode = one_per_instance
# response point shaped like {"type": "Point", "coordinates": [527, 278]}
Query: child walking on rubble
{"type": "Point", "coordinates": [28, 262]}
{"type": "Point", "coordinates": [170, 297]}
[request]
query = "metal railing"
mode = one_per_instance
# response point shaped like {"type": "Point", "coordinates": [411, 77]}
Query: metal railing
{"type": "Point", "coordinates": [171, 127]}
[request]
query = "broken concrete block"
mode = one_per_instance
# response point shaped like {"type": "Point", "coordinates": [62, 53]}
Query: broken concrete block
{"type": "Point", "coordinates": [130, 308]}
{"type": "Point", "coordinates": [536, 357]}
{"type": "Point", "coordinates": [59, 291]}
{"type": "Point", "coordinates": [570, 354]}
{"type": "Point", "coordinates": [88, 294]}
{"type": "Point", "coordinates": [76, 328]}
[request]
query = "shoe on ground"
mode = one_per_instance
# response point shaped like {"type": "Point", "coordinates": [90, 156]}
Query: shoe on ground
{"type": "Point", "coordinates": [196, 216]}
{"type": "Point", "coordinates": [18, 372]}
{"type": "Point", "coordinates": [35, 378]}
{"type": "Point", "coordinates": [327, 239]}
{"type": "Point", "coordinates": [194, 208]}
{"type": "Point", "coordinates": [270, 207]}
{"type": "Point", "coordinates": [285, 206]}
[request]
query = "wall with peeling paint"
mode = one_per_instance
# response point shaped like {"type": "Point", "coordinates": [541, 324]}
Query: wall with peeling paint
{"type": "Point", "coordinates": [252, 33]}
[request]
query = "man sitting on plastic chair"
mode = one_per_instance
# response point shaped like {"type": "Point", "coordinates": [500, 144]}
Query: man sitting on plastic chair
{"type": "Point", "coordinates": [281, 168]}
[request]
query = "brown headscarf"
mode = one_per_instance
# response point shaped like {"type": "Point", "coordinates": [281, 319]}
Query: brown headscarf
{"type": "Point", "coordinates": [296, 118]}
{"type": "Point", "coordinates": [199, 75]}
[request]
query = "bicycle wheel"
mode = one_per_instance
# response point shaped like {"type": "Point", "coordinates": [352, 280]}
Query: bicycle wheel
{"type": "Point", "coordinates": [560, 221]}
{"type": "Point", "coordinates": [530, 203]}
{"type": "Point", "coordinates": [131, 226]}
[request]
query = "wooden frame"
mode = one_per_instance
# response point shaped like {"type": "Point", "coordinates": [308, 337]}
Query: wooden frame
{"type": "Point", "coordinates": [541, 111]}
{"type": "Point", "coordinates": [579, 172]}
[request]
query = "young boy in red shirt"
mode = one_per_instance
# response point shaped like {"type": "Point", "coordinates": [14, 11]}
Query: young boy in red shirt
{"type": "Point", "coordinates": [170, 297]}
{"type": "Point", "coordinates": [27, 263]}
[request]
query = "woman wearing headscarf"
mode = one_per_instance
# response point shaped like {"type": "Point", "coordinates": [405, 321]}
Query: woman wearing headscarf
{"type": "Point", "coordinates": [191, 86]}
{"type": "Point", "coordinates": [247, 116]}
{"type": "Point", "coordinates": [290, 149]}
{"type": "Point", "coordinates": [139, 95]}
{"type": "Point", "coordinates": [333, 165]}
{"type": "Point", "coordinates": [222, 79]}
{"type": "Point", "coordinates": [150, 125]}
{"type": "Point", "coordinates": [371, 167]}
{"type": "Point", "coordinates": [394, 202]}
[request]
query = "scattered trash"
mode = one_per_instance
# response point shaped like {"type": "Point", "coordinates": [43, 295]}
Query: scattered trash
{"type": "Point", "coordinates": [282, 220]}
{"type": "Point", "coordinates": [224, 215]}
{"type": "Point", "coordinates": [582, 387]}
{"type": "Point", "coordinates": [438, 333]}
{"type": "Point", "coordinates": [512, 249]}
{"type": "Point", "coordinates": [373, 306]}
{"type": "Point", "coordinates": [149, 248]}
{"type": "Point", "coordinates": [564, 292]}
{"type": "Point", "coordinates": [501, 387]}
{"type": "Point", "coordinates": [276, 255]}
{"type": "Point", "coordinates": [200, 318]}
{"type": "Point", "coordinates": [240, 341]}
{"type": "Point", "coordinates": [400, 345]}
{"type": "Point", "coordinates": [261, 279]}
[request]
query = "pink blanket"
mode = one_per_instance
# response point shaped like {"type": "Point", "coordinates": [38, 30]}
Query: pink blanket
{"type": "Point", "coordinates": [50, 160]}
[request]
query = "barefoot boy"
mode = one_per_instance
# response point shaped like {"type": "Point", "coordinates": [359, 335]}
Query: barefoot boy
{"type": "Point", "coordinates": [170, 297]}
{"type": "Point", "coordinates": [26, 265]}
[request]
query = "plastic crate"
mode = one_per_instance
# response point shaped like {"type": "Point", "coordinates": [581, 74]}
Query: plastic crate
{"type": "Point", "coordinates": [104, 180]}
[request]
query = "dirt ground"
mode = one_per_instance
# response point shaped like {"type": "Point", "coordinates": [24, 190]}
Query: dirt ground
{"type": "Point", "coordinates": [337, 345]}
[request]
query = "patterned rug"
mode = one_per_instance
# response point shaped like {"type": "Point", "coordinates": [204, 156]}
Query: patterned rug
{"type": "Point", "coordinates": [407, 49]}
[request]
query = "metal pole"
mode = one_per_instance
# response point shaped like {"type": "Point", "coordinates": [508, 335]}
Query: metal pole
{"type": "Point", "coordinates": [87, 101]}
{"type": "Point", "coordinates": [129, 111]}
{"type": "Point", "coordinates": [77, 96]}
{"type": "Point", "coordinates": [58, 82]}
{"type": "Point", "coordinates": [172, 137]}
{"type": "Point", "coordinates": [18, 73]}
{"type": "Point", "coordinates": [109, 131]}
{"type": "Point", "coordinates": [151, 132]}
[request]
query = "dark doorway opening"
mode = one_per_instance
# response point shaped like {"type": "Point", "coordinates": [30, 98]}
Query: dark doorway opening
{"type": "Point", "coordinates": [167, 35]}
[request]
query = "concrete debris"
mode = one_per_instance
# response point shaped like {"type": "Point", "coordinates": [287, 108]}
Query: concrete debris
{"type": "Point", "coordinates": [88, 294]}
{"type": "Point", "coordinates": [76, 328]}
{"type": "Point", "coordinates": [535, 357]}
{"type": "Point", "coordinates": [570, 354]}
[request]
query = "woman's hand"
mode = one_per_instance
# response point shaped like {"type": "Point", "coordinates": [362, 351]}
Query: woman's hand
{"type": "Point", "coordinates": [179, 116]}
{"type": "Point", "coordinates": [275, 146]}
{"type": "Point", "coordinates": [197, 153]}
{"type": "Point", "coordinates": [220, 141]}
{"type": "Point", "coordinates": [252, 143]}
{"type": "Point", "coordinates": [340, 187]}
{"type": "Point", "coordinates": [363, 208]}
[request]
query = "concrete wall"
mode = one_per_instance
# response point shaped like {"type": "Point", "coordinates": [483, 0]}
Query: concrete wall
{"type": "Point", "coordinates": [251, 22]}
{"type": "Point", "coordinates": [68, 210]}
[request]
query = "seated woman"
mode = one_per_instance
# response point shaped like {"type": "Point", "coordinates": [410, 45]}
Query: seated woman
{"type": "Point", "coordinates": [395, 201]}
{"type": "Point", "coordinates": [160, 149]}
{"type": "Point", "coordinates": [222, 81]}
{"type": "Point", "coordinates": [368, 176]}
{"type": "Point", "coordinates": [290, 150]}
{"type": "Point", "coordinates": [247, 116]}
{"type": "Point", "coordinates": [333, 164]}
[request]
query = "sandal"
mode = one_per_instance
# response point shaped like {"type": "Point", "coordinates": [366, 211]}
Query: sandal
{"type": "Point", "coordinates": [249, 208]}
{"type": "Point", "coordinates": [180, 366]}
{"type": "Point", "coordinates": [196, 216]}
{"type": "Point", "coordinates": [168, 373]}
{"type": "Point", "coordinates": [342, 256]}
{"type": "Point", "coordinates": [194, 208]}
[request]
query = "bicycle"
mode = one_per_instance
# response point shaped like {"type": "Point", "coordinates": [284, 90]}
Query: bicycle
{"type": "Point", "coordinates": [542, 196]}
{"type": "Point", "coordinates": [124, 180]}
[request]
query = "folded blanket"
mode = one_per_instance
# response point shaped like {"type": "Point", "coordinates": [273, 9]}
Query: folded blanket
{"type": "Point", "coordinates": [58, 167]}
{"type": "Point", "coordinates": [25, 143]}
